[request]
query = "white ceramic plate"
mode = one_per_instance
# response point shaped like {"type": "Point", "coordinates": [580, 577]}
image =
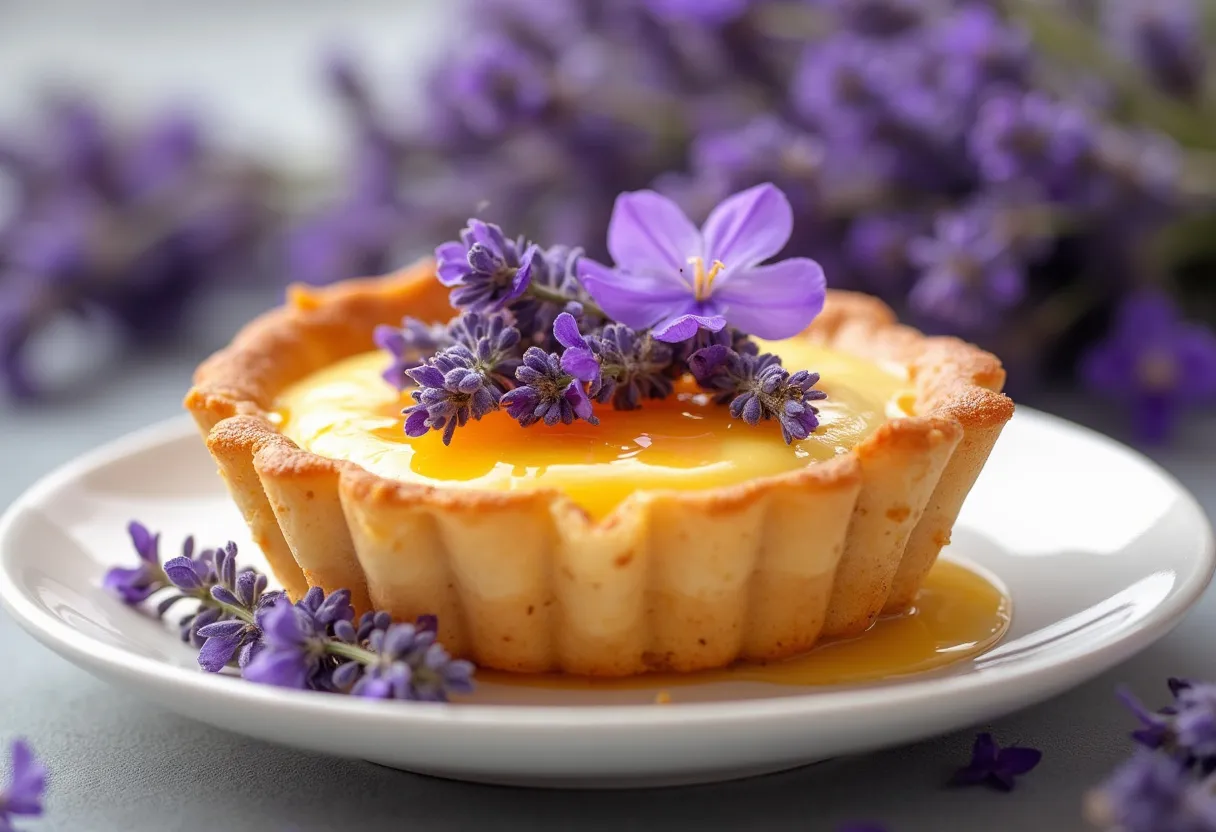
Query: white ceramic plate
{"type": "Point", "coordinates": [1101, 551]}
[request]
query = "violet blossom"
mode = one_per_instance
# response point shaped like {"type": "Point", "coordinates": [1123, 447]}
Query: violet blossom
{"type": "Point", "coordinates": [675, 279]}
{"type": "Point", "coordinates": [23, 794]}
{"type": "Point", "coordinates": [995, 766]}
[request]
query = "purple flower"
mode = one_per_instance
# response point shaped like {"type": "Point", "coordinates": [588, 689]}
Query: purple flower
{"type": "Point", "coordinates": [294, 648]}
{"type": "Point", "coordinates": [226, 638]}
{"type": "Point", "coordinates": [877, 248]}
{"type": "Point", "coordinates": [675, 279]}
{"type": "Point", "coordinates": [1156, 729]}
{"type": "Point", "coordinates": [135, 585]}
{"type": "Point", "coordinates": [969, 270]}
{"type": "Point", "coordinates": [408, 346]}
{"type": "Point", "coordinates": [843, 85]}
{"type": "Point", "coordinates": [451, 391]}
{"type": "Point", "coordinates": [1153, 792]}
{"type": "Point", "coordinates": [1164, 36]}
{"type": "Point", "coordinates": [759, 388]}
{"type": "Point", "coordinates": [410, 665]}
{"type": "Point", "coordinates": [707, 12]}
{"type": "Point", "coordinates": [23, 794]}
{"type": "Point", "coordinates": [578, 359]}
{"type": "Point", "coordinates": [994, 766]}
{"type": "Point", "coordinates": [634, 366]}
{"type": "Point", "coordinates": [492, 342]}
{"type": "Point", "coordinates": [492, 84]}
{"type": "Point", "coordinates": [485, 270]}
{"type": "Point", "coordinates": [1030, 138]}
{"type": "Point", "coordinates": [1154, 361]}
{"type": "Point", "coordinates": [765, 149]}
{"type": "Point", "coordinates": [978, 48]}
{"type": "Point", "coordinates": [547, 393]}
{"type": "Point", "coordinates": [881, 17]}
{"type": "Point", "coordinates": [555, 273]}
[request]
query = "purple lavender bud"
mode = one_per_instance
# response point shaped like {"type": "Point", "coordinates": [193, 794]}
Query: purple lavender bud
{"type": "Point", "coordinates": [1153, 361]}
{"type": "Point", "coordinates": [882, 17]}
{"type": "Point", "coordinates": [23, 794]}
{"type": "Point", "coordinates": [452, 389]}
{"type": "Point", "coordinates": [485, 270]}
{"type": "Point", "coordinates": [977, 49]}
{"type": "Point", "coordinates": [547, 393]}
{"type": "Point", "coordinates": [634, 365]}
{"type": "Point", "coordinates": [711, 13]}
{"type": "Point", "coordinates": [1153, 792]}
{"type": "Point", "coordinates": [1031, 138]}
{"type": "Point", "coordinates": [1164, 36]}
{"type": "Point", "coordinates": [970, 271]}
{"type": "Point", "coordinates": [492, 84]}
{"type": "Point", "coordinates": [995, 766]}
{"type": "Point", "coordinates": [294, 648]}
{"type": "Point", "coordinates": [758, 388]}
{"type": "Point", "coordinates": [766, 149]}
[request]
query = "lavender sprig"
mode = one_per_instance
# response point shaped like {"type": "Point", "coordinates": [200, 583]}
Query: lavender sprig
{"type": "Point", "coordinates": [24, 792]}
{"type": "Point", "coordinates": [759, 389]}
{"type": "Point", "coordinates": [313, 644]}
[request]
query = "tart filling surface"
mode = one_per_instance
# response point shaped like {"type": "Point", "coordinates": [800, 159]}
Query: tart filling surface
{"type": "Point", "coordinates": [684, 442]}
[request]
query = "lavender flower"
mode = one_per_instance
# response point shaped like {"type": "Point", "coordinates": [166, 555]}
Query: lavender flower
{"type": "Point", "coordinates": [1154, 362]}
{"type": "Point", "coordinates": [1164, 36]}
{"type": "Point", "coordinates": [409, 664]}
{"type": "Point", "coordinates": [126, 226]}
{"type": "Point", "coordinates": [994, 766]}
{"type": "Point", "coordinates": [486, 270]}
{"type": "Point", "coordinates": [707, 12]}
{"type": "Point", "coordinates": [313, 644]}
{"type": "Point", "coordinates": [970, 271]}
{"type": "Point", "coordinates": [408, 346]}
{"type": "Point", "coordinates": [547, 393]}
{"type": "Point", "coordinates": [1153, 792]}
{"type": "Point", "coordinates": [492, 85]}
{"type": "Point", "coordinates": [881, 17]}
{"type": "Point", "coordinates": [237, 592]}
{"type": "Point", "coordinates": [675, 279]}
{"type": "Point", "coordinates": [1030, 138]}
{"type": "Point", "coordinates": [759, 388]}
{"type": "Point", "coordinates": [978, 50]}
{"type": "Point", "coordinates": [767, 148]}
{"type": "Point", "coordinates": [137, 584]}
{"type": "Point", "coordinates": [23, 794]}
{"type": "Point", "coordinates": [451, 391]}
{"type": "Point", "coordinates": [492, 341]}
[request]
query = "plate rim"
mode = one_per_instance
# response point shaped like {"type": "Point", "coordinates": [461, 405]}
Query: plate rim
{"type": "Point", "coordinates": [97, 656]}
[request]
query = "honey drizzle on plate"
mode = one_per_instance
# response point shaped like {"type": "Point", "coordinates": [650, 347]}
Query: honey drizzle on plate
{"type": "Point", "coordinates": [958, 615]}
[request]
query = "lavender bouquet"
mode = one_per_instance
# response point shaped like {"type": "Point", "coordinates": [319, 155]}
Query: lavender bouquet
{"type": "Point", "coordinates": [1035, 176]}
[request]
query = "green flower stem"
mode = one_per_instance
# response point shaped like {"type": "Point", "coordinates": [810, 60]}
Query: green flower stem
{"type": "Point", "coordinates": [350, 651]}
{"type": "Point", "coordinates": [544, 293]}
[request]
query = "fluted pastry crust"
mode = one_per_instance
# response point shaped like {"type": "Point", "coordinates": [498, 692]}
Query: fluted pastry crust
{"type": "Point", "coordinates": [674, 580]}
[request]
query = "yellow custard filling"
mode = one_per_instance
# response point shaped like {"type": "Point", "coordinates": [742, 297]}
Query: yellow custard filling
{"type": "Point", "coordinates": [685, 442]}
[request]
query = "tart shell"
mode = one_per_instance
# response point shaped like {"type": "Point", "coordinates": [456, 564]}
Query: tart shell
{"type": "Point", "coordinates": [670, 580]}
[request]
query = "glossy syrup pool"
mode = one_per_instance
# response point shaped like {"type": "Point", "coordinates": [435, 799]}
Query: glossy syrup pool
{"type": "Point", "coordinates": [958, 615]}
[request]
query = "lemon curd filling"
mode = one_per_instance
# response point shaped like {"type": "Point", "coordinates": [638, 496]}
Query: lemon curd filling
{"type": "Point", "coordinates": [685, 442]}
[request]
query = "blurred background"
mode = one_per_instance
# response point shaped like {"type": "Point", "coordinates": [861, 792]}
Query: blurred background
{"type": "Point", "coordinates": [1038, 176]}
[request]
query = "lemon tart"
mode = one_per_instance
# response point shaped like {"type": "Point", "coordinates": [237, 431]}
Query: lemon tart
{"type": "Point", "coordinates": [666, 538]}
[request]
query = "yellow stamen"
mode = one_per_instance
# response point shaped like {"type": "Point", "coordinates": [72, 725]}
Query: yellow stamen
{"type": "Point", "coordinates": [702, 281]}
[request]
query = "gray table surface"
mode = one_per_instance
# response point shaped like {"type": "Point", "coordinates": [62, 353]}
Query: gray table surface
{"type": "Point", "coordinates": [120, 764]}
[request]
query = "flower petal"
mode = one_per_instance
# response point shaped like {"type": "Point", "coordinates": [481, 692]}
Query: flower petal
{"type": "Point", "coordinates": [217, 652]}
{"type": "Point", "coordinates": [1017, 760]}
{"type": "Point", "coordinates": [581, 364]}
{"type": "Point", "coordinates": [749, 227]}
{"type": "Point", "coordinates": [774, 301]}
{"type": "Point", "coordinates": [565, 330]}
{"type": "Point", "coordinates": [683, 327]}
{"type": "Point", "coordinates": [635, 299]}
{"type": "Point", "coordinates": [649, 232]}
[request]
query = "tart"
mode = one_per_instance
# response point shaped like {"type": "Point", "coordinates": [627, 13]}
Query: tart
{"type": "Point", "coordinates": [710, 550]}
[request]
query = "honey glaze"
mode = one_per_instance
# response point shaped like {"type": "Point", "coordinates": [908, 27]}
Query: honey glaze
{"type": "Point", "coordinates": [958, 615]}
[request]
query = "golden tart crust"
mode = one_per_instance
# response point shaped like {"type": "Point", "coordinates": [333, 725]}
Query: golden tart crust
{"type": "Point", "coordinates": [679, 580]}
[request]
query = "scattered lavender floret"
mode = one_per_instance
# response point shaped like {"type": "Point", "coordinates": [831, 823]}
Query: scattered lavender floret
{"type": "Point", "coordinates": [315, 643]}
{"type": "Point", "coordinates": [994, 766]}
{"type": "Point", "coordinates": [23, 794]}
{"type": "Point", "coordinates": [547, 393]}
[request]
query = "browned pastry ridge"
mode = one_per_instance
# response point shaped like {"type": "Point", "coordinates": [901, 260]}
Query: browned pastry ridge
{"type": "Point", "coordinates": [676, 580]}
